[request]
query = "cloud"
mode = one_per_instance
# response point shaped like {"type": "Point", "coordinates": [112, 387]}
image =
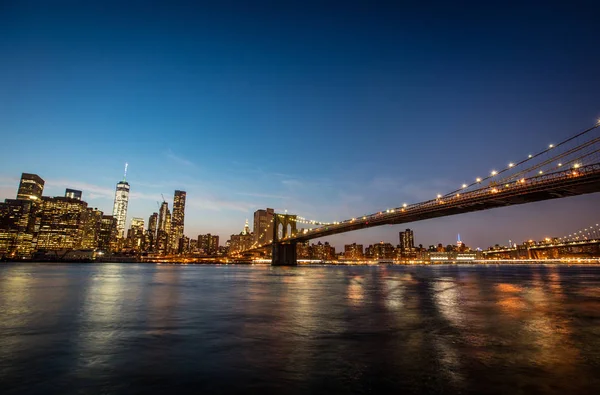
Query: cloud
{"type": "Point", "coordinates": [264, 195]}
{"type": "Point", "coordinates": [217, 204]}
{"type": "Point", "coordinates": [93, 191]}
{"type": "Point", "coordinates": [178, 159]}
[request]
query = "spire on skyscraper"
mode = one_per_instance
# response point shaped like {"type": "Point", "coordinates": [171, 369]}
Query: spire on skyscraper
{"type": "Point", "coordinates": [120, 204]}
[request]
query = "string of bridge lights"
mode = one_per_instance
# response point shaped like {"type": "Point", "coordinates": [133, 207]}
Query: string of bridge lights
{"type": "Point", "coordinates": [512, 165]}
{"type": "Point", "coordinates": [575, 164]}
{"type": "Point", "coordinates": [591, 232]}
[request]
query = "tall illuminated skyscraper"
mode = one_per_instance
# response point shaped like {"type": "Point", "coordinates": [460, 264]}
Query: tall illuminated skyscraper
{"type": "Point", "coordinates": [152, 227]}
{"type": "Point", "coordinates": [120, 205]}
{"type": "Point", "coordinates": [262, 225]}
{"type": "Point", "coordinates": [31, 187]}
{"type": "Point", "coordinates": [177, 220]}
{"type": "Point", "coordinates": [162, 232]}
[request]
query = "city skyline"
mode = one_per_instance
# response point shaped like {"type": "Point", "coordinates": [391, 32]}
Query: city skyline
{"type": "Point", "coordinates": [31, 187]}
{"type": "Point", "coordinates": [243, 112]}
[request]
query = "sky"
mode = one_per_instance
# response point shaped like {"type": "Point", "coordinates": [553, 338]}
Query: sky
{"type": "Point", "coordinates": [329, 110]}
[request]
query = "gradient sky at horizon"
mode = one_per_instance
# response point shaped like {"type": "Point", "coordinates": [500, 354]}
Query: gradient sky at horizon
{"type": "Point", "coordinates": [330, 110]}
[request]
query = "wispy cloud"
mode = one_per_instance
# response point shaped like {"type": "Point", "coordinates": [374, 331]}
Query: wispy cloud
{"type": "Point", "coordinates": [179, 159]}
{"type": "Point", "coordinates": [217, 204]}
{"type": "Point", "coordinates": [263, 195]}
{"type": "Point", "coordinates": [91, 190]}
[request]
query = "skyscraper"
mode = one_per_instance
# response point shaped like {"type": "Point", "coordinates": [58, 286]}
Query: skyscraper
{"type": "Point", "coordinates": [30, 187]}
{"type": "Point", "coordinates": [135, 234]}
{"type": "Point", "coordinates": [62, 223]}
{"type": "Point", "coordinates": [262, 225]}
{"type": "Point", "coordinates": [107, 239]}
{"type": "Point", "coordinates": [177, 220]}
{"type": "Point", "coordinates": [91, 231]}
{"type": "Point", "coordinates": [208, 243]}
{"type": "Point", "coordinates": [152, 227]}
{"type": "Point", "coordinates": [407, 244]}
{"type": "Point", "coordinates": [120, 205]}
{"type": "Point", "coordinates": [17, 227]}
{"type": "Point", "coordinates": [164, 226]}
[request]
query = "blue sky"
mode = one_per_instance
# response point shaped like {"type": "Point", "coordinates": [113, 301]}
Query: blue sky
{"type": "Point", "coordinates": [327, 109]}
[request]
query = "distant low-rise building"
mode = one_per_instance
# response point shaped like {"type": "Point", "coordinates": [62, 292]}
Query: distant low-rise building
{"type": "Point", "coordinates": [353, 251]}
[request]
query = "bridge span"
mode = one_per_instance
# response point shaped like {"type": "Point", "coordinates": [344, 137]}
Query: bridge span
{"type": "Point", "coordinates": [569, 168]}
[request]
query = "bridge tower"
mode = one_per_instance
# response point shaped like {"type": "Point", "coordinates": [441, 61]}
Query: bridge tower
{"type": "Point", "coordinates": [284, 252]}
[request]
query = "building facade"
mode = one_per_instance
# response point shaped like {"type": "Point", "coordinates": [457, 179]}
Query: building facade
{"type": "Point", "coordinates": [262, 227]}
{"type": "Point", "coordinates": [208, 244]}
{"type": "Point", "coordinates": [152, 228]}
{"type": "Point", "coordinates": [62, 223]}
{"type": "Point", "coordinates": [31, 187]}
{"type": "Point", "coordinates": [353, 251]}
{"type": "Point", "coordinates": [177, 221]}
{"type": "Point", "coordinates": [120, 206]}
{"type": "Point", "coordinates": [17, 228]}
{"type": "Point", "coordinates": [73, 193]}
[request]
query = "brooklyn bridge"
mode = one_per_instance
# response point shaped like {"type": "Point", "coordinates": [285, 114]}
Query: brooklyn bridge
{"type": "Point", "coordinates": [568, 168]}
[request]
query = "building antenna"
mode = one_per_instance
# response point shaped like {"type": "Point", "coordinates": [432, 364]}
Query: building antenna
{"type": "Point", "coordinates": [125, 174]}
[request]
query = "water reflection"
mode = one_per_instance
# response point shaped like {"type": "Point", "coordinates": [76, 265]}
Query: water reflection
{"type": "Point", "coordinates": [222, 329]}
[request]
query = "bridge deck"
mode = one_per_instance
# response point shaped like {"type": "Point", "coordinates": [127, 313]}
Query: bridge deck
{"type": "Point", "coordinates": [555, 185]}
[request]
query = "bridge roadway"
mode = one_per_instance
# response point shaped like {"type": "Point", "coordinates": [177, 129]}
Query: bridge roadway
{"type": "Point", "coordinates": [560, 184]}
{"type": "Point", "coordinates": [545, 246]}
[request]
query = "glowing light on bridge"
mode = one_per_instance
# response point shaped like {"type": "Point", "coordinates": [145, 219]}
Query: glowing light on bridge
{"type": "Point", "coordinates": [517, 174]}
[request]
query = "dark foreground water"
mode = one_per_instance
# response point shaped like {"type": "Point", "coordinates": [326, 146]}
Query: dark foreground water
{"type": "Point", "coordinates": [161, 329]}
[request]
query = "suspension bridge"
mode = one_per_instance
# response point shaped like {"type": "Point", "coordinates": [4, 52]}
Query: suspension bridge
{"type": "Point", "coordinates": [584, 242]}
{"type": "Point", "coordinates": [568, 168]}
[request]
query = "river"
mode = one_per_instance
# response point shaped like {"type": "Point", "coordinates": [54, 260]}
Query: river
{"type": "Point", "coordinates": [221, 329]}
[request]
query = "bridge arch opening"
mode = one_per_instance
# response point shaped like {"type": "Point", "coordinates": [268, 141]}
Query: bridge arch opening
{"type": "Point", "coordinates": [279, 231]}
{"type": "Point", "coordinates": [288, 230]}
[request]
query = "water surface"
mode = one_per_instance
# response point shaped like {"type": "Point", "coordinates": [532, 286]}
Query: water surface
{"type": "Point", "coordinates": [157, 329]}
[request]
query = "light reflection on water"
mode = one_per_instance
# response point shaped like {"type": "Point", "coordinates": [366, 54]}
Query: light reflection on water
{"type": "Point", "coordinates": [129, 328]}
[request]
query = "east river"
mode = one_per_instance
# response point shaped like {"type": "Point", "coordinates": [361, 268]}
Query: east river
{"type": "Point", "coordinates": [171, 329]}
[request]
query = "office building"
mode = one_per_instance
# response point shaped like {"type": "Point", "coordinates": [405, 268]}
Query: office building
{"type": "Point", "coordinates": [62, 223]}
{"type": "Point", "coordinates": [209, 244]}
{"type": "Point", "coordinates": [73, 194]}
{"type": "Point", "coordinates": [17, 228]}
{"type": "Point", "coordinates": [136, 234]}
{"type": "Point", "coordinates": [242, 241]}
{"type": "Point", "coordinates": [107, 239]}
{"type": "Point", "coordinates": [323, 252]}
{"type": "Point", "coordinates": [120, 206]}
{"type": "Point", "coordinates": [91, 230]}
{"type": "Point", "coordinates": [407, 240]}
{"type": "Point", "coordinates": [263, 222]}
{"type": "Point", "coordinates": [177, 221]}
{"type": "Point", "coordinates": [303, 250]}
{"type": "Point", "coordinates": [407, 244]}
{"type": "Point", "coordinates": [152, 228]}
{"type": "Point", "coordinates": [383, 250]}
{"type": "Point", "coordinates": [30, 187]}
{"type": "Point", "coordinates": [163, 229]}
{"type": "Point", "coordinates": [353, 251]}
